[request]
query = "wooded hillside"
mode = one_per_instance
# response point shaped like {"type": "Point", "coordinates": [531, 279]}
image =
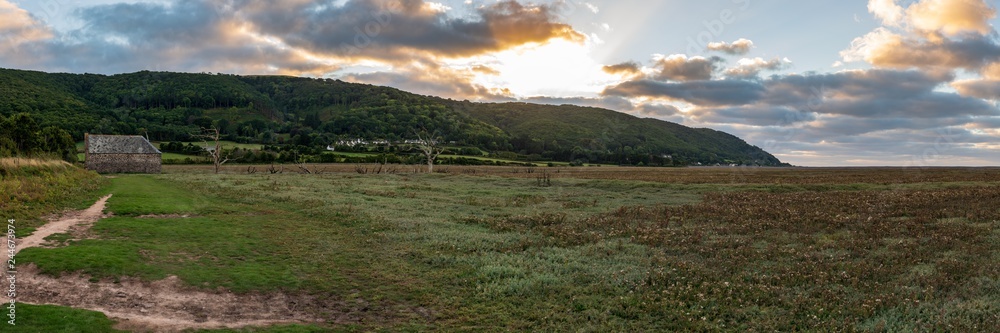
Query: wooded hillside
{"type": "Point", "coordinates": [311, 114]}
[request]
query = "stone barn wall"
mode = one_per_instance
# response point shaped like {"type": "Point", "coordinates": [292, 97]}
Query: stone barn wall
{"type": "Point", "coordinates": [124, 163]}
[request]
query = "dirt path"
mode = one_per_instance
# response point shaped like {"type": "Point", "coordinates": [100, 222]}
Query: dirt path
{"type": "Point", "coordinates": [161, 306]}
{"type": "Point", "coordinates": [82, 218]}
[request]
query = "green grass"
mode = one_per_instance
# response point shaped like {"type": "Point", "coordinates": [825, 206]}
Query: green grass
{"type": "Point", "coordinates": [181, 157]}
{"type": "Point", "coordinates": [503, 254]}
{"type": "Point", "coordinates": [189, 247]}
{"type": "Point", "coordinates": [479, 158]}
{"type": "Point", "coordinates": [57, 319]}
{"type": "Point", "coordinates": [354, 154]}
{"type": "Point", "coordinates": [393, 239]}
{"type": "Point", "coordinates": [277, 329]}
{"type": "Point", "coordinates": [143, 194]}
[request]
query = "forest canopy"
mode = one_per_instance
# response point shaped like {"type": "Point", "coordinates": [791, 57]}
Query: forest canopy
{"type": "Point", "coordinates": [317, 113]}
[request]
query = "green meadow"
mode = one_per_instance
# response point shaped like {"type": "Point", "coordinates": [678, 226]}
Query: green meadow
{"type": "Point", "coordinates": [453, 252]}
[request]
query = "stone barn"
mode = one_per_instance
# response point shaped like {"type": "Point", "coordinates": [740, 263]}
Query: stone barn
{"type": "Point", "coordinates": [121, 154]}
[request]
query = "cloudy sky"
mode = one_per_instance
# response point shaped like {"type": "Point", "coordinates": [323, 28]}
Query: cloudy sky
{"type": "Point", "coordinates": [817, 83]}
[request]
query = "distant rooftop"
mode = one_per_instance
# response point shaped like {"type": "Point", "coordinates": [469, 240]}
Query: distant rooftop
{"type": "Point", "coordinates": [119, 144]}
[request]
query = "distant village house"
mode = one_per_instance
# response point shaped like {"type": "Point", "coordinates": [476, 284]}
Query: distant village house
{"type": "Point", "coordinates": [121, 154]}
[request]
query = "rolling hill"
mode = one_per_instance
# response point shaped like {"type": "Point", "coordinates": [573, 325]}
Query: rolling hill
{"type": "Point", "coordinates": [313, 113]}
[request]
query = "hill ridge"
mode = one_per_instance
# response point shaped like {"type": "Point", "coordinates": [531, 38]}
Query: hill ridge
{"type": "Point", "coordinates": [313, 113]}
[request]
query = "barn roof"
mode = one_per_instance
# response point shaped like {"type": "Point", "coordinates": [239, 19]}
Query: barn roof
{"type": "Point", "coordinates": [119, 144]}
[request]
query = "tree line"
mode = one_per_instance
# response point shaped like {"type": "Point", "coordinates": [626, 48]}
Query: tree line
{"type": "Point", "coordinates": [21, 136]}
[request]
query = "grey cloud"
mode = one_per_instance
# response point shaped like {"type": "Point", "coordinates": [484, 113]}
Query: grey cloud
{"type": "Point", "coordinates": [921, 142]}
{"type": "Point", "coordinates": [750, 68]}
{"type": "Point", "coordinates": [658, 110]}
{"type": "Point", "coordinates": [702, 93]}
{"type": "Point", "coordinates": [850, 117]}
{"type": "Point", "coordinates": [847, 126]}
{"type": "Point", "coordinates": [970, 53]}
{"type": "Point", "coordinates": [986, 122]}
{"type": "Point", "coordinates": [626, 68]}
{"type": "Point", "coordinates": [760, 115]}
{"type": "Point", "coordinates": [615, 103]}
{"type": "Point", "coordinates": [183, 23]}
{"type": "Point", "coordinates": [374, 27]}
{"type": "Point", "coordinates": [873, 93]}
{"type": "Point", "coordinates": [870, 93]}
{"type": "Point", "coordinates": [442, 83]}
{"type": "Point", "coordinates": [986, 89]}
{"type": "Point", "coordinates": [682, 68]}
{"type": "Point", "coordinates": [187, 35]}
{"type": "Point", "coordinates": [608, 102]}
{"type": "Point", "coordinates": [876, 83]}
{"type": "Point", "coordinates": [886, 49]}
{"type": "Point", "coordinates": [243, 36]}
{"type": "Point", "coordinates": [929, 105]}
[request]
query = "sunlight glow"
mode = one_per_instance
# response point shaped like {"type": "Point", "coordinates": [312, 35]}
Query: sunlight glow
{"type": "Point", "coordinates": [557, 68]}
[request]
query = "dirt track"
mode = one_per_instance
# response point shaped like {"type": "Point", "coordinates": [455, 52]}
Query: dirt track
{"type": "Point", "coordinates": [79, 219]}
{"type": "Point", "coordinates": [160, 306]}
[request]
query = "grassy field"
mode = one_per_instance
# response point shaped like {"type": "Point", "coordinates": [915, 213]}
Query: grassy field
{"type": "Point", "coordinates": [567, 249]}
{"type": "Point", "coordinates": [480, 158]}
{"type": "Point", "coordinates": [31, 188]}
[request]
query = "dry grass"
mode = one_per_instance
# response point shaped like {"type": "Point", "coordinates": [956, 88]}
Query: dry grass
{"type": "Point", "coordinates": [30, 188]}
{"type": "Point", "coordinates": [693, 175]}
{"type": "Point", "coordinates": [624, 249]}
{"type": "Point", "coordinates": [899, 260]}
{"type": "Point", "coordinates": [17, 163]}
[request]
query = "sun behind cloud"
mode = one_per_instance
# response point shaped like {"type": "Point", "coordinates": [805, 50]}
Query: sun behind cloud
{"type": "Point", "coordinates": [559, 68]}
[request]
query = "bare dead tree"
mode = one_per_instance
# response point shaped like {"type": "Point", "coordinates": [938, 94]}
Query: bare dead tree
{"type": "Point", "coordinates": [544, 180]}
{"type": "Point", "coordinates": [274, 170]}
{"type": "Point", "coordinates": [213, 134]}
{"type": "Point", "coordinates": [301, 163]}
{"type": "Point", "coordinates": [429, 145]}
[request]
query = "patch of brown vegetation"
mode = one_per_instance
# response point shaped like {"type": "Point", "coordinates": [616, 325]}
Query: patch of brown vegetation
{"type": "Point", "coordinates": [805, 260]}
{"type": "Point", "coordinates": [689, 175]}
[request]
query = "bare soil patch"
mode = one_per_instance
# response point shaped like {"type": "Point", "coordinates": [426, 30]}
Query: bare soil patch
{"type": "Point", "coordinates": [80, 220]}
{"type": "Point", "coordinates": [165, 305]}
